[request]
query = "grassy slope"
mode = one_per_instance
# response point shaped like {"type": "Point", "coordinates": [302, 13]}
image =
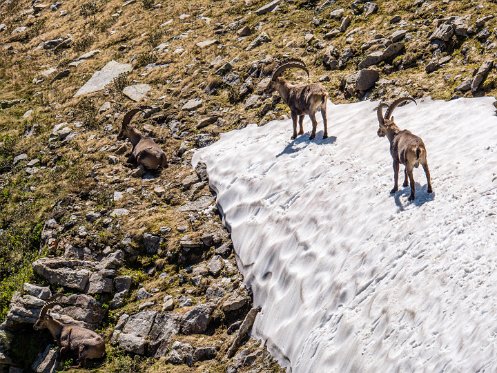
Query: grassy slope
{"type": "Point", "coordinates": [129, 34]}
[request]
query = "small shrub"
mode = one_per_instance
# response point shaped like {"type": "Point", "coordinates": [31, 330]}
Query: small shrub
{"type": "Point", "coordinates": [155, 38]}
{"type": "Point", "coordinates": [121, 82]}
{"type": "Point", "coordinates": [84, 43]}
{"type": "Point", "coordinates": [88, 9]}
{"type": "Point", "coordinates": [146, 58]}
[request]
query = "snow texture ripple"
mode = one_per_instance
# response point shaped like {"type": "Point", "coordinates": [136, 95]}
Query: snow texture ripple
{"type": "Point", "coordinates": [350, 278]}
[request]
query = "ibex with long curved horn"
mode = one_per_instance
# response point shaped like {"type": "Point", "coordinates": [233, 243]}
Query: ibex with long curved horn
{"type": "Point", "coordinates": [85, 343]}
{"type": "Point", "coordinates": [405, 148]}
{"type": "Point", "coordinates": [145, 150]}
{"type": "Point", "coordinates": [302, 99]}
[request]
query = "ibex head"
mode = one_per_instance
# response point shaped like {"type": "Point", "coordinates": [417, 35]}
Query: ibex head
{"type": "Point", "coordinates": [386, 123]}
{"type": "Point", "coordinates": [276, 78]}
{"type": "Point", "coordinates": [128, 117]}
{"type": "Point", "coordinates": [44, 317]}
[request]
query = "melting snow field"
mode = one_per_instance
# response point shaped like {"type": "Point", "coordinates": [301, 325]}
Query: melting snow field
{"type": "Point", "coordinates": [350, 278]}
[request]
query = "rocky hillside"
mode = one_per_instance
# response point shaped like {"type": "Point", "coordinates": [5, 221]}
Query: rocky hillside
{"type": "Point", "coordinates": [143, 258]}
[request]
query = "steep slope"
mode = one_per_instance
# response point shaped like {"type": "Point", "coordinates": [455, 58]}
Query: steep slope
{"type": "Point", "coordinates": [350, 278]}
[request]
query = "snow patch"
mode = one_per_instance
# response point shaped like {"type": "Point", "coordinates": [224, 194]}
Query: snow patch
{"type": "Point", "coordinates": [350, 278]}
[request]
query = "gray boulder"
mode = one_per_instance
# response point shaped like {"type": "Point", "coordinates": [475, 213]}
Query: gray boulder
{"type": "Point", "coordinates": [389, 53]}
{"type": "Point", "coordinates": [481, 75]}
{"type": "Point", "coordinates": [131, 332]}
{"type": "Point", "coordinates": [103, 77]}
{"type": "Point", "coordinates": [196, 321]}
{"type": "Point", "coordinates": [73, 274]}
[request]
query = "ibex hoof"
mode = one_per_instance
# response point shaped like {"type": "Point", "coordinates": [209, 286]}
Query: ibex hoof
{"type": "Point", "coordinates": [325, 137]}
{"type": "Point", "coordinates": [394, 190]}
{"type": "Point", "coordinates": [412, 197]}
{"type": "Point", "coordinates": [311, 137]}
{"type": "Point", "coordinates": [405, 185]}
{"type": "Point", "coordinates": [430, 190]}
{"type": "Point", "coordinates": [293, 137]}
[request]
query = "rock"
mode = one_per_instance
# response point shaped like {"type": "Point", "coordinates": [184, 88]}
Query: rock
{"type": "Point", "coordinates": [204, 122]}
{"type": "Point", "coordinates": [395, 19]}
{"type": "Point", "coordinates": [123, 283]}
{"type": "Point", "coordinates": [224, 250]}
{"type": "Point", "coordinates": [101, 78]}
{"type": "Point", "coordinates": [245, 31]}
{"type": "Point", "coordinates": [252, 101]}
{"type": "Point", "coordinates": [119, 212]}
{"type": "Point", "coordinates": [133, 336]}
{"type": "Point", "coordinates": [370, 8]}
{"type": "Point", "coordinates": [444, 32]}
{"type": "Point", "coordinates": [23, 310]}
{"type": "Point", "coordinates": [375, 58]}
{"type": "Point", "coordinates": [136, 92]}
{"type": "Point", "coordinates": [398, 35]}
{"type": "Point", "coordinates": [345, 24]}
{"type": "Point", "coordinates": [207, 43]}
{"type": "Point", "coordinates": [166, 325]}
{"type": "Point", "coordinates": [199, 205]}
{"type": "Point", "coordinates": [464, 86]}
{"type": "Point", "coordinates": [269, 7]}
{"type": "Point", "coordinates": [5, 104]}
{"type": "Point", "coordinates": [151, 243]}
{"type": "Point", "coordinates": [204, 353]}
{"type": "Point", "coordinates": [362, 81]}
{"type": "Point", "coordinates": [56, 43]}
{"type": "Point", "coordinates": [235, 302]}
{"type": "Point", "coordinates": [105, 107]}
{"type": "Point", "coordinates": [20, 157]}
{"type": "Point", "coordinates": [168, 304]}
{"type": "Point", "coordinates": [481, 75]}
{"type": "Point", "coordinates": [99, 284]}
{"type": "Point", "coordinates": [181, 353]}
{"type": "Point", "coordinates": [82, 308]}
{"type": "Point", "coordinates": [41, 292]}
{"type": "Point", "coordinates": [196, 321]}
{"type": "Point", "coordinates": [84, 57]}
{"type": "Point", "coordinates": [215, 265]}
{"type": "Point", "coordinates": [71, 274]}
{"type": "Point", "coordinates": [483, 35]}
{"type": "Point", "coordinates": [192, 104]}
{"type": "Point", "coordinates": [112, 261]}
{"type": "Point", "coordinates": [142, 294]}
{"type": "Point", "coordinates": [46, 362]}
{"type": "Point", "coordinates": [2, 27]}
{"type": "Point", "coordinates": [337, 14]}
{"type": "Point", "coordinates": [188, 181]}
{"type": "Point", "coordinates": [259, 40]}
{"type": "Point", "coordinates": [61, 75]}
{"type": "Point", "coordinates": [245, 328]}
{"type": "Point", "coordinates": [201, 170]}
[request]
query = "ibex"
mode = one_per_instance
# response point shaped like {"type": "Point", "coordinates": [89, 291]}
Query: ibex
{"type": "Point", "coordinates": [145, 150]}
{"type": "Point", "coordinates": [405, 148]}
{"type": "Point", "coordinates": [302, 99]}
{"type": "Point", "coordinates": [85, 343]}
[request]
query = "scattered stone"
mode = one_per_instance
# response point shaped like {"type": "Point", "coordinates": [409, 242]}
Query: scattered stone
{"type": "Point", "coordinates": [269, 7]}
{"type": "Point", "coordinates": [245, 31]}
{"type": "Point", "coordinates": [245, 328]}
{"type": "Point", "coordinates": [224, 250]}
{"type": "Point", "coordinates": [181, 353]}
{"type": "Point", "coordinates": [216, 265]}
{"type": "Point", "coordinates": [207, 121]}
{"type": "Point", "coordinates": [119, 212]}
{"type": "Point", "coordinates": [395, 19]}
{"type": "Point", "coordinates": [370, 8]}
{"type": "Point", "coordinates": [142, 294]}
{"type": "Point", "coordinates": [444, 32]}
{"type": "Point", "coordinates": [204, 353]}
{"type": "Point", "coordinates": [337, 14]}
{"type": "Point", "coordinates": [133, 336]}
{"type": "Point", "coordinates": [151, 243]}
{"type": "Point", "coordinates": [20, 157]}
{"type": "Point", "coordinates": [464, 86]}
{"type": "Point", "coordinates": [5, 104]}
{"type": "Point", "coordinates": [234, 303]}
{"type": "Point", "coordinates": [207, 43]}
{"type": "Point", "coordinates": [360, 82]}
{"type": "Point", "coordinates": [46, 362]}
{"type": "Point", "coordinates": [398, 35]}
{"type": "Point", "coordinates": [375, 58]}
{"type": "Point", "coordinates": [166, 325]}
{"type": "Point", "coordinates": [71, 274]}
{"type": "Point", "coordinates": [192, 104]}
{"type": "Point", "coordinates": [196, 321]}
{"type": "Point", "coordinates": [481, 75]}
{"type": "Point", "coordinates": [345, 24]}
{"type": "Point", "coordinates": [101, 78]}
{"type": "Point", "coordinates": [168, 304]}
{"type": "Point", "coordinates": [136, 92]}
{"type": "Point", "coordinates": [3, 26]}
{"type": "Point", "coordinates": [123, 283]}
{"type": "Point", "coordinates": [259, 40]}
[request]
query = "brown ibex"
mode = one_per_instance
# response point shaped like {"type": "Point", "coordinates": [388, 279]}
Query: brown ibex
{"type": "Point", "coordinates": [145, 150]}
{"type": "Point", "coordinates": [405, 148]}
{"type": "Point", "coordinates": [302, 99]}
{"type": "Point", "coordinates": [85, 343]}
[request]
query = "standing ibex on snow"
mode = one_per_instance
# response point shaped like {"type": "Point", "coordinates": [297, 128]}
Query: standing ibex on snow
{"type": "Point", "coordinates": [302, 99]}
{"type": "Point", "coordinates": [85, 343]}
{"type": "Point", "coordinates": [145, 150]}
{"type": "Point", "coordinates": [405, 148]}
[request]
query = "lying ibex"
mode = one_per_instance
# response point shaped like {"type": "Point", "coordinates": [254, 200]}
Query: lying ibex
{"type": "Point", "coordinates": [302, 99]}
{"type": "Point", "coordinates": [85, 343]}
{"type": "Point", "coordinates": [145, 150]}
{"type": "Point", "coordinates": [405, 148]}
